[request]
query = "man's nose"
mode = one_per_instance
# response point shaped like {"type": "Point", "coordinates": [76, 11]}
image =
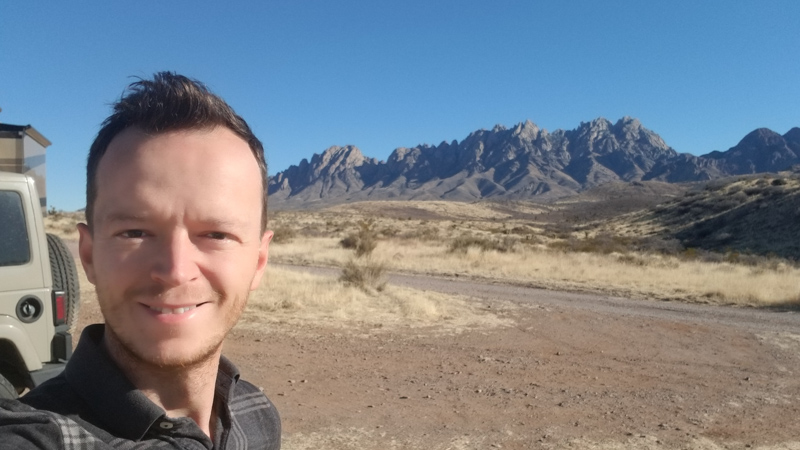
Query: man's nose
{"type": "Point", "coordinates": [176, 262]}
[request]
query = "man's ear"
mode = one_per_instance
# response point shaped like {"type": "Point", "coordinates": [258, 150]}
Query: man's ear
{"type": "Point", "coordinates": [263, 256]}
{"type": "Point", "coordinates": [85, 246]}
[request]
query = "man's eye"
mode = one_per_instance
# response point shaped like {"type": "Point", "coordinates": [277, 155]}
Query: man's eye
{"type": "Point", "coordinates": [132, 234]}
{"type": "Point", "coordinates": [217, 235]}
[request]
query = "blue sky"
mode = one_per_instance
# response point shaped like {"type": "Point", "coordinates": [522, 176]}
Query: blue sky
{"type": "Point", "coordinates": [379, 75]}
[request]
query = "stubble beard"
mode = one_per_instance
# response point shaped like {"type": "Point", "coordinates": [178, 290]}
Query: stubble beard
{"type": "Point", "coordinates": [124, 348]}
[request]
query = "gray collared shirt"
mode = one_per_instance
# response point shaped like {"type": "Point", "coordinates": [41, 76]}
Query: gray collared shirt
{"type": "Point", "coordinates": [92, 405]}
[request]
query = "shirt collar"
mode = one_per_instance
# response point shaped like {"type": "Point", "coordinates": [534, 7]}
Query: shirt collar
{"type": "Point", "coordinates": [103, 386]}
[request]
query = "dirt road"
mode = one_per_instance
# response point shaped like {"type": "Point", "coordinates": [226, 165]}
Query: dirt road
{"type": "Point", "coordinates": [572, 371]}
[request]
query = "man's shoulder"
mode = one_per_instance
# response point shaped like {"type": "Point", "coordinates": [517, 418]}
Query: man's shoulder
{"type": "Point", "coordinates": [247, 396]}
{"type": "Point", "coordinates": [25, 427]}
{"type": "Point", "coordinates": [53, 395]}
{"type": "Point", "coordinates": [258, 419]}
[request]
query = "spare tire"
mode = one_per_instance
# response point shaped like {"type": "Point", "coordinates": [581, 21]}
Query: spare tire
{"type": "Point", "coordinates": [65, 275]}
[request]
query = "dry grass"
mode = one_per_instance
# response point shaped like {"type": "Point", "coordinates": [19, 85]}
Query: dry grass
{"type": "Point", "coordinates": [635, 275]}
{"type": "Point", "coordinates": [63, 224]}
{"type": "Point", "coordinates": [295, 298]}
{"type": "Point", "coordinates": [444, 239]}
{"type": "Point", "coordinates": [428, 209]}
{"type": "Point", "coordinates": [292, 297]}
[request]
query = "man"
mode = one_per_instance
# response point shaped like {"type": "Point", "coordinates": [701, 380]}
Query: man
{"type": "Point", "coordinates": [174, 242]}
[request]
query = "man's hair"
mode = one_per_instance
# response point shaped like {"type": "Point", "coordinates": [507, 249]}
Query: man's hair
{"type": "Point", "coordinates": [169, 102]}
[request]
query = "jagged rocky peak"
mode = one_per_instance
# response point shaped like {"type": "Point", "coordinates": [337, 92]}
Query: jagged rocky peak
{"type": "Point", "coordinates": [628, 125]}
{"type": "Point", "coordinates": [594, 129]}
{"type": "Point", "coordinates": [526, 130]}
{"type": "Point", "coordinates": [524, 161]}
{"type": "Point", "coordinates": [601, 123]}
{"type": "Point", "coordinates": [631, 129]}
{"type": "Point", "coordinates": [347, 156]}
{"type": "Point", "coordinates": [498, 128]}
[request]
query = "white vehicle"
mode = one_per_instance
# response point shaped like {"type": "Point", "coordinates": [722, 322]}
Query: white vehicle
{"type": "Point", "coordinates": [39, 291]}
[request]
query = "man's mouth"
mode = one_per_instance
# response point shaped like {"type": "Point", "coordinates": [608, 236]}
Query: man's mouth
{"type": "Point", "coordinates": [173, 311]}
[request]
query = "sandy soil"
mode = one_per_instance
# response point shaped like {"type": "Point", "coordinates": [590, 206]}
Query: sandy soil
{"type": "Point", "coordinates": [571, 371]}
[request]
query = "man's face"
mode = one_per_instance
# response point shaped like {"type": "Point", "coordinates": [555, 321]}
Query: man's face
{"type": "Point", "coordinates": [176, 244]}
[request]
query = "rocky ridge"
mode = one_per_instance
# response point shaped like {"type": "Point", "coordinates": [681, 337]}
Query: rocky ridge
{"type": "Point", "coordinates": [522, 162]}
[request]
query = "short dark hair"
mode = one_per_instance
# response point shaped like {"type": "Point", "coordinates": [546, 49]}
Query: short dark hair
{"type": "Point", "coordinates": [169, 102]}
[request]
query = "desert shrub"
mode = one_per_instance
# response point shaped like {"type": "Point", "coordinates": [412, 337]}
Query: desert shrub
{"type": "Point", "coordinates": [461, 244]}
{"type": "Point", "coordinates": [773, 190]}
{"type": "Point", "coordinates": [601, 243]}
{"type": "Point", "coordinates": [633, 260]}
{"type": "Point", "coordinates": [523, 230]}
{"type": "Point", "coordinates": [753, 191]}
{"type": "Point", "coordinates": [778, 182]}
{"type": "Point", "coordinates": [350, 241]}
{"type": "Point", "coordinates": [364, 273]}
{"type": "Point", "coordinates": [363, 241]}
{"type": "Point", "coordinates": [390, 231]}
{"type": "Point", "coordinates": [715, 185]}
{"type": "Point", "coordinates": [283, 234]}
{"type": "Point", "coordinates": [689, 254]}
{"type": "Point", "coordinates": [54, 213]}
{"type": "Point", "coordinates": [313, 231]}
{"type": "Point", "coordinates": [739, 197]}
{"type": "Point", "coordinates": [69, 227]}
{"type": "Point", "coordinates": [423, 233]}
{"type": "Point", "coordinates": [653, 244]}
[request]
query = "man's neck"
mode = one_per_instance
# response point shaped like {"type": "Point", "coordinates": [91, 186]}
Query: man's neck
{"type": "Point", "coordinates": [181, 392]}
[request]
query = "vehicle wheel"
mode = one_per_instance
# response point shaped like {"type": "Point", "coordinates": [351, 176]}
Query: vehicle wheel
{"type": "Point", "coordinates": [65, 275]}
{"type": "Point", "coordinates": [7, 389]}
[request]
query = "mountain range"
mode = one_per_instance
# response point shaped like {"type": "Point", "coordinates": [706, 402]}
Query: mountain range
{"type": "Point", "coordinates": [522, 162]}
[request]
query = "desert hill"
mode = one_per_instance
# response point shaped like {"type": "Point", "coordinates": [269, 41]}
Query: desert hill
{"type": "Point", "coordinates": [757, 214]}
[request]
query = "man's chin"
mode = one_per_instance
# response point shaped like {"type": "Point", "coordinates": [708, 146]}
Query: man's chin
{"type": "Point", "coordinates": [164, 356]}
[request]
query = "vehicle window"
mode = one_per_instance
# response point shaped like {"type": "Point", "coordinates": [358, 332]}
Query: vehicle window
{"type": "Point", "coordinates": [14, 244]}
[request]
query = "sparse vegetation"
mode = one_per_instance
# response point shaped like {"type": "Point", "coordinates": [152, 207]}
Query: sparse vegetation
{"type": "Point", "coordinates": [364, 273]}
{"type": "Point", "coordinates": [363, 241]}
{"type": "Point", "coordinates": [729, 241]}
{"type": "Point", "coordinates": [362, 270]}
{"type": "Point", "coordinates": [283, 234]}
{"type": "Point", "coordinates": [640, 254]}
{"type": "Point", "coordinates": [462, 244]}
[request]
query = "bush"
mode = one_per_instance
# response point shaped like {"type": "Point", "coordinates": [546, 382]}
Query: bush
{"type": "Point", "coordinates": [461, 244]}
{"type": "Point", "coordinates": [283, 234]}
{"type": "Point", "coordinates": [363, 241]}
{"type": "Point", "coordinates": [602, 243]}
{"type": "Point", "coordinates": [350, 241]}
{"type": "Point", "coordinates": [364, 273]}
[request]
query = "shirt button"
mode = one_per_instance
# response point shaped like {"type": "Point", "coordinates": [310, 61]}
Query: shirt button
{"type": "Point", "coordinates": [165, 425]}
